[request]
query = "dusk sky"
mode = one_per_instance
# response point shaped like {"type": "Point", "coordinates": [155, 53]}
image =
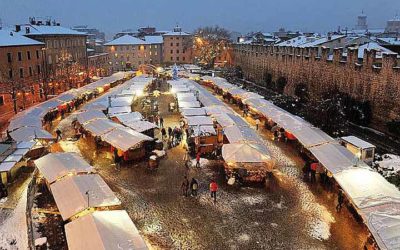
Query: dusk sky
{"type": "Point", "coordinates": [236, 15]}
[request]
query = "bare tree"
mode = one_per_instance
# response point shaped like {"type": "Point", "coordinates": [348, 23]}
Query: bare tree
{"type": "Point", "coordinates": [209, 42]}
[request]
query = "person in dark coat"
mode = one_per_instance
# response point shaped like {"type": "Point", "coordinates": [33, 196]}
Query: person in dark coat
{"type": "Point", "coordinates": [163, 133]}
{"type": "Point", "coordinates": [340, 200]}
{"type": "Point", "coordinates": [161, 121]}
{"type": "Point", "coordinates": [169, 132]}
{"type": "Point", "coordinates": [185, 186]}
{"type": "Point", "coordinates": [58, 133]}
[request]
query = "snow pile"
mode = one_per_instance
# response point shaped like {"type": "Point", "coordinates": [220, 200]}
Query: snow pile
{"type": "Point", "coordinates": [253, 200]}
{"type": "Point", "coordinates": [389, 165]}
{"type": "Point", "coordinates": [13, 233]}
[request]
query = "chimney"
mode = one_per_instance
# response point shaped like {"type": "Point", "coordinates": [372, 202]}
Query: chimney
{"type": "Point", "coordinates": [11, 34]}
{"type": "Point", "coordinates": [17, 28]}
{"type": "Point", "coordinates": [27, 30]}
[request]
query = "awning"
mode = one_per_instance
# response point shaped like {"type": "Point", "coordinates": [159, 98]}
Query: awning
{"type": "Point", "coordinates": [104, 230]}
{"type": "Point", "coordinates": [30, 133]}
{"type": "Point", "coordinates": [193, 104]}
{"type": "Point", "coordinates": [90, 115]}
{"type": "Point", "coordinates": [311, 136]}
{"type": "Point", "coordinates": [57, 165]}
{"type": "Point", "coordinates": [129, 117]}
{"type": "Point", "coordinates": [124, 139]}
{"type": "Point", "coordinates": [199, 120]}
{"type": "Point", "coordinates": [140, 126]}
{"type": "Point", "coordinates": [244, 153]}
{"type": "Point", "coordinates": [333, 157]}
{"type": "Point", "coordinates": [100, 126]}
{"type": "Point", "coordinates": [119, 110]}
{"type": "Point", "coordinates": [71, 194]}
{"type": "Point", "coordinates": [204, 130]}
{"type": "Point", "coordinates": [193, 112]}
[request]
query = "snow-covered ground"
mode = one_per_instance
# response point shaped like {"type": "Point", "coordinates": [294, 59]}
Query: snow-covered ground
{"type": "Point", "coordinates": [389, 165]}
{"type": "Point", "coordinates": [14, 230]}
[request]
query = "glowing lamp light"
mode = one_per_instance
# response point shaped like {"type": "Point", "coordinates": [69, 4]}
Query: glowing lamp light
{"type": "Point", "coordinates": [139, 92]}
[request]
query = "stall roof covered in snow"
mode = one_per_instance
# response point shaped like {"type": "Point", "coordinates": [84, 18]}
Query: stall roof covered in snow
{"type": "Point", "coordinates": [99, 127]}
{"type": "Point", "coordinates": [140, 126]}
{"type": "Point", "coordinates": [71, 194]}
{"type": "Point", "coordinates": [367, 188]}
{"type": "Point", "coordinates": [30, 133]}
{"type": "Point", "coordinates": [244, 153]}
{"type": "Point", "coordinates": [193, 111]}
{"type": "Point", "coordinates": [89, 115]}
{"type": "Point", "coordinates": [104, 230]}
{"type": "Point", "coordinates": [57, 165]}
{"type": "Point", "coordinates": [199, 120]}
{"type": "Point", "coordinates": [385, 228]}
{"type": "Point", "coordinates": [359, 143]}
{"type": "Point", "coordinates": [124, 139]}
{"type": "Point", "coordinates": [113, 111]}
{"type": "Point", "coordinates": [129, 117]}
{"type": "Point", "coordinates": [333, 157]}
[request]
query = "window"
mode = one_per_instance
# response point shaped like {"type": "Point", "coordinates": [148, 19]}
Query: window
{"type": "Point", "coordinates": [177, 44]}
{"type": "Point", "coordinates": [183, 58]}
{"type": "Point", "coordinates": [177, 58]}
{"type": "Point", "coordinates": [172, 58]}
{"type": "Point", "coordinates": [10, 73]}
{"type": "Point", "coordinates": [28, 54]}
{"type": "Point", "coordinates": [19, 56]}
{"type": "Point", "coordinates": [38, 69]}
{"type": "Point", "coordinates": [9, 57]}
{"type": "Point", "coordinates": [21, 72]}
{"type": "Point", "coordinates": [369, 153]}
{"type": "Point", "coordinates": [172, 44]}
{"type": "Point", "coordinates": [30, 71]}
{"type": "Point", "coordinates": [37, 54]}
{"type": "Point", "coordinates": [172, 51]}
{"type": "Point", "coordinates": [155, 53]}
{"type": "Point", "coordinates": [177, 51]}
{"type": "Point", "coordinates": [183, 51]}
{"type": "Point", "coordinates": [155, 46]}
{"type": "Point", "coordinates": [1, 100]}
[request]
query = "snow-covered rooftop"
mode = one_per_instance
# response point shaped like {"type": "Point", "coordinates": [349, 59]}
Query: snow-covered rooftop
{"type": "Point", "coordinates": [10, 38]}
{"type": "Point", "coordinates": [322, 41]}
{"type": "Point", "coordinates": [357, 142]}
{"type": "Point", "coordinates": [297, 41]}
{"type": "Point", "coordinates": [390, 40]}
{"type": "Point", "coordinates": [126, 40]}
{"type": "Point", "coordinates": [48, 30]}
{"type": "Point", "coordinates": [176, 33]}
{"type": "Point", "coordinates": [153, 39]}
{"type": "Point", "coordinates": [374, 46]}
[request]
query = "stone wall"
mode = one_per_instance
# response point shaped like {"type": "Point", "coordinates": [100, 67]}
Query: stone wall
{"type": "Point", "coordinates": [373, 79]}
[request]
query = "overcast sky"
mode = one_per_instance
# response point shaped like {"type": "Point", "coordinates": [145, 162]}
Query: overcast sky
{"type": "Point", "coordinates": [112, 16]}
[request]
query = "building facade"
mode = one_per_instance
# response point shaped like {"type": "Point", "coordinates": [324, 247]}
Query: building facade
{"type": "Point", "coordinates": [177, 46]}
{"type": "Point", "coordinates": [21, 64]}
{"type": "Point", "coordinates": [128, 52]}
{"type": "Point", "coordinates": [65, 52]}
{"type": "Point", "coordinates": [373, 78]}
{"type": "Point", "coordinates": [99, 65]}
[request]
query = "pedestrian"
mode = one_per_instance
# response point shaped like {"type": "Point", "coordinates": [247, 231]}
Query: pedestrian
{"type": "Point", "coordinates": [194, 186]}
{"type": "Point", "coordinates": [169, 132]}
{"type": "Point", "coordinates": [117, 159]}
{"type": "Point", "coordinates": [163, 133]}
{"type": "Point", "coordinates": [257, 123]}
{"type": "Point", "coordinates": [198, 160]}
{"type": "Point", "coordinates": [161, 121]}
{"type": "Point", "coordinates": [340, 200]}
{"type": "Point", "coordinates": [58, 133]}
{"type": "Point", "coordinates": [314, 167]}
{"type": "Point", "coordinates": [156, 120]}
{"type": "Point", "coordinates": [185, 186]}
{"type": "Point", "coordinates": [306, 171]}
{"type": "Point", "coordinates": [213, 190]}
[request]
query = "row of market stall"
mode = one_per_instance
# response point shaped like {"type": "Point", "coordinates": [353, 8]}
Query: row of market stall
{"type": "Point", "coordinates": [215, 127]}
{"type": "Point", "coordinates": [92, 212]}
{"type": "Point", "coordinates": [375, 199]}
{"type": "Point", "coordinates": [111, 121]}
{"type": "Point", "coordinates": [27, 129]}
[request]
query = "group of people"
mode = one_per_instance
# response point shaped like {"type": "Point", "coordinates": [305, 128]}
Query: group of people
{"type": "Point", "coordinates": [310, 171]}
{"type": "Point", "coordinates": [191, 188]}
{"type": "Point", "coordinates": [159, 121]}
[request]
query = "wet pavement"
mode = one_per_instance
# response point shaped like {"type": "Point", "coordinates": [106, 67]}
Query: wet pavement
{"type": "Point", "coordinates": [286, 214]}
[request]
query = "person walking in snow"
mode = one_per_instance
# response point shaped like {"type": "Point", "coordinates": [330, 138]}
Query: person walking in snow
{"type": "Point", "coordinates": [213, 190]}
{"type": "Point", "coordinates": [161, 121]}
{"type": "Point", "coordinates": [185, 186]}
{"type": "Point", "coordinates": [340, 200]}
{"type": "Point", "coordinates": [58, 133]}
{"type": "Point", "coordinates": [198, 160]}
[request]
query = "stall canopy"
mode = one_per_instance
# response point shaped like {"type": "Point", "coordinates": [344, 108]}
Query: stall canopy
{"type": "Point", "coordinates": [333, 157]}
{"type": "Point", "coordinates": [140, 126]}
{"type": "Point", "coordinates": [73, 193]}
{"type": "Point", "coordinates": [311, 136]}
{"type": "Point", "coordinates": [89, 115]}
{"type": "Point", "coordinates": [25, 121]}
{"type": "Point", "coordinates": [103, 230]}
{"type": "Point", "coordinates": [124, 139]}
{"type": "Point", "coordinates": [204, 130]}
{"type": "Point", "coordinates": [30, 133]}
{"type": "Point", "coordinates": [129, 117]}
{"type": "Point", "coordinates": [100, 126]}
{"type": "Point", "coordinates": [121, 101]}
{"type": "Point", "coordinates": [358, 142]}
{"type": "Point", "coordinates": [367, 188]}
{"type": "Point", "coordinates": [193, 104]}
{"type": "Point", "coordinates": [113, 111]}
{"type": "Point", "coordinates": [385, 228]}
{"type": "Point", "coordinates": [199, 120]}
{"type": "Point", "coordinates": [57, 165]}
{"type": "Point", "coordinates": [193, 112]}
{"type": "Point", "coordinates": [244, 153]}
